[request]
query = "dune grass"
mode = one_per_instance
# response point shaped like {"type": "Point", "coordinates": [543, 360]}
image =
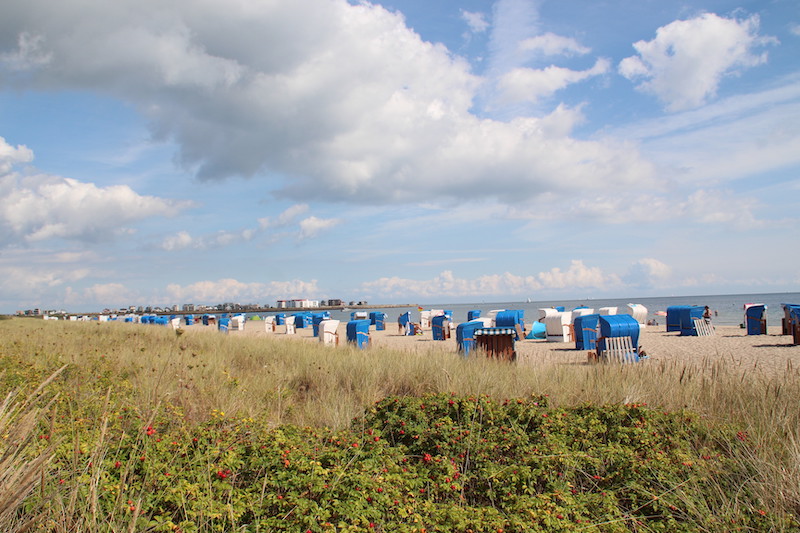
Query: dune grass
{"type": "Point", "coordinates": [199, 377]}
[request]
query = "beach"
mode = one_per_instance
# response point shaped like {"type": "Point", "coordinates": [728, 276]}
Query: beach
{"type": "Point", "coordinates": [766, 356]}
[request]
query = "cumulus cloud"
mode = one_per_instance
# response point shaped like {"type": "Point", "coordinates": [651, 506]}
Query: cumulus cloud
{"type": "Point", "coordinates": [446, 284]}
{"type": "Point", "coordinates": [13, 155]}
{"type": "Point", "coordinates": [686, 61]}
{"type": "Point", "coordinates": [227, 290]}
{"type": "Point", "coordinates": [330, 101]}
{"type": "Point", "coordinates": [38, 207]}
{"type": "Point", "coordinates": [530, 85]}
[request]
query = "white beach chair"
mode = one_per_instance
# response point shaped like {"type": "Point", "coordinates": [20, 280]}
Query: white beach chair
{"type": "Point", "coordinates": [559, 326]}
{"type": "Point", "coordinates": [290, 330]}
{"type": "Point", "coordinates": [639, 313]}
{"type": "Point", "coordinates": [269, 324]}
{"type": "Point", "coordinates": [237, 323]}
{"type": "Point", "coordinates": [328, 332]}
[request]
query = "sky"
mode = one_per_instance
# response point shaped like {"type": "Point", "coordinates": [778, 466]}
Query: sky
{"type": "Point", "coordinates": [406, 151]}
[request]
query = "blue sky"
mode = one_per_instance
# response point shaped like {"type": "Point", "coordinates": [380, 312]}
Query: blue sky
{"type": "Point", "coordinates": [397, 152]}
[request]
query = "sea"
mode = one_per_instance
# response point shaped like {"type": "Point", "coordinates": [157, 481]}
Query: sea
{"type": "Point", "coordinates": [726, 310]}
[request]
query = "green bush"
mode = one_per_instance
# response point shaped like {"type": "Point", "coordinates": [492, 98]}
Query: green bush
{"type": "Point", "coordinates": [435, 463]}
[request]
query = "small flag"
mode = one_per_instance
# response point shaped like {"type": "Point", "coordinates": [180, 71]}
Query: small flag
{"type": "Point", "coordinates": [419, 309]}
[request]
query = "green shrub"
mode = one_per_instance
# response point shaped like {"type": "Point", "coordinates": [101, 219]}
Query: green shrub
{"type": "Point", "coordinates": [435, 463]}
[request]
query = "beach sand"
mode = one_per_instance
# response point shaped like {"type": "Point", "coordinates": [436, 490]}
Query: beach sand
{"type": "Point", "coordinates": [769, 356]}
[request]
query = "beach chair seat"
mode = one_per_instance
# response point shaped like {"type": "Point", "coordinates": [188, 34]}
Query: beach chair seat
{"type": "Point", "coordinates": [616, 350]}
{"type": "Point", "coordinates": [703, 328]}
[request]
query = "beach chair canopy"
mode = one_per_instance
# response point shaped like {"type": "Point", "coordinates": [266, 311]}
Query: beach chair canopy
{"type": "Point", "coordinates": [546, 312]}
{"type": "Point", "coordinates": [316, 320]}
{"type": "Point", "coordinates": [755, 319]}
{"type": "Point", "coordinates": [675, 313]}
{"type": "Point", "coordinates": [686, 317]}
{"type": "Point", "coordinates": [358, 332]}
{"type": "Point", "coordinates": [510, 318]}
{"type": "Point", "coordinates": [465, 336]}
{"type": "Point", "coordinates": [473, 314]}
{"type": "Point", "coordinates": [440, 327]}
{"type": "Point", "coordinates": [618, 326]}
{"type": "Point", "coordinates": [585, 327]}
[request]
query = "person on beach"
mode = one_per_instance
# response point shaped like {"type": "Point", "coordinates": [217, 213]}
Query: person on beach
{"type": "Point", "coordinates": [707, 315]}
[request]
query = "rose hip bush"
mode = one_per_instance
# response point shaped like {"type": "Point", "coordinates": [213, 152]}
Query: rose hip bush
{"type": "Point", "coordinates": [433, 463]}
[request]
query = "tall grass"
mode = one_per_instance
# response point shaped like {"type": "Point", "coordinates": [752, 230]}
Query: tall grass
{"type": "Point", "coordinates": [22, 464]}
{"type": "Point", "coordinates": [200, 376]}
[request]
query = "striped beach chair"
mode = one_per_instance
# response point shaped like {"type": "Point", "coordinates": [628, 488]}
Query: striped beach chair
{"type": "Point", "coordinates": [498, 343]}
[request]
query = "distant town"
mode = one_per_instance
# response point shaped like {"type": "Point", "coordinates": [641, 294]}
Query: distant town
{"type": "Point", "coordinates": [297, 303]}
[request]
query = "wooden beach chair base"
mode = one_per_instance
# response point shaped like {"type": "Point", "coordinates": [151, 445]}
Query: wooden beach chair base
{"type": "Point", "coordinates": [618, 350]}
{"type": "Point", "coordinates": [703, 328]}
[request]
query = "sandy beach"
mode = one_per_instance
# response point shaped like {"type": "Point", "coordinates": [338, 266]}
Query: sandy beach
{"type": "Point", "coordinates": [767, 356]}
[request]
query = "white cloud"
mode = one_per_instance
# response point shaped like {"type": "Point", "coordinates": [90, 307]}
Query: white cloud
{"type": "Point", "coordinates": [231, 290]}
{"type": "Point", "coordinates": [312, 226]}
{"type": "Point", "coordinates": [183, 240]}
{"type": "Point", "coordinates": [686, 61]}
{"type": "Point", "coordinates": [37, 207]}
{"type": "Point", "coordinates": [578, 276]}
{"type": "Point", "coordinates": [795, 29]}
{"type": "Point", "coordinates": [11, 156]}
{"type": "Point", "coordinates": [101, 295]}
{"type": "Point", "coordinates": [475, 20]}
{"type": "Point", "coordinates": [287, 217]}
{"type": "Point", "coordinates": [647, 273]}
{"type": "Point", "coordinates": [446, 284]}
{"type": "Point", "coordinates": [550, 44]}
{"type": "Point", "coordinates": [531, 85]}
{"type": "Point", "coordinates": [178, 241]}
{"type": "Point", "coordinates": [330, 100]}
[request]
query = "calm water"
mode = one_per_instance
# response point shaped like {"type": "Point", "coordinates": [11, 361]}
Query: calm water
{"type": "Point", "coordinates": [728, 307]}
